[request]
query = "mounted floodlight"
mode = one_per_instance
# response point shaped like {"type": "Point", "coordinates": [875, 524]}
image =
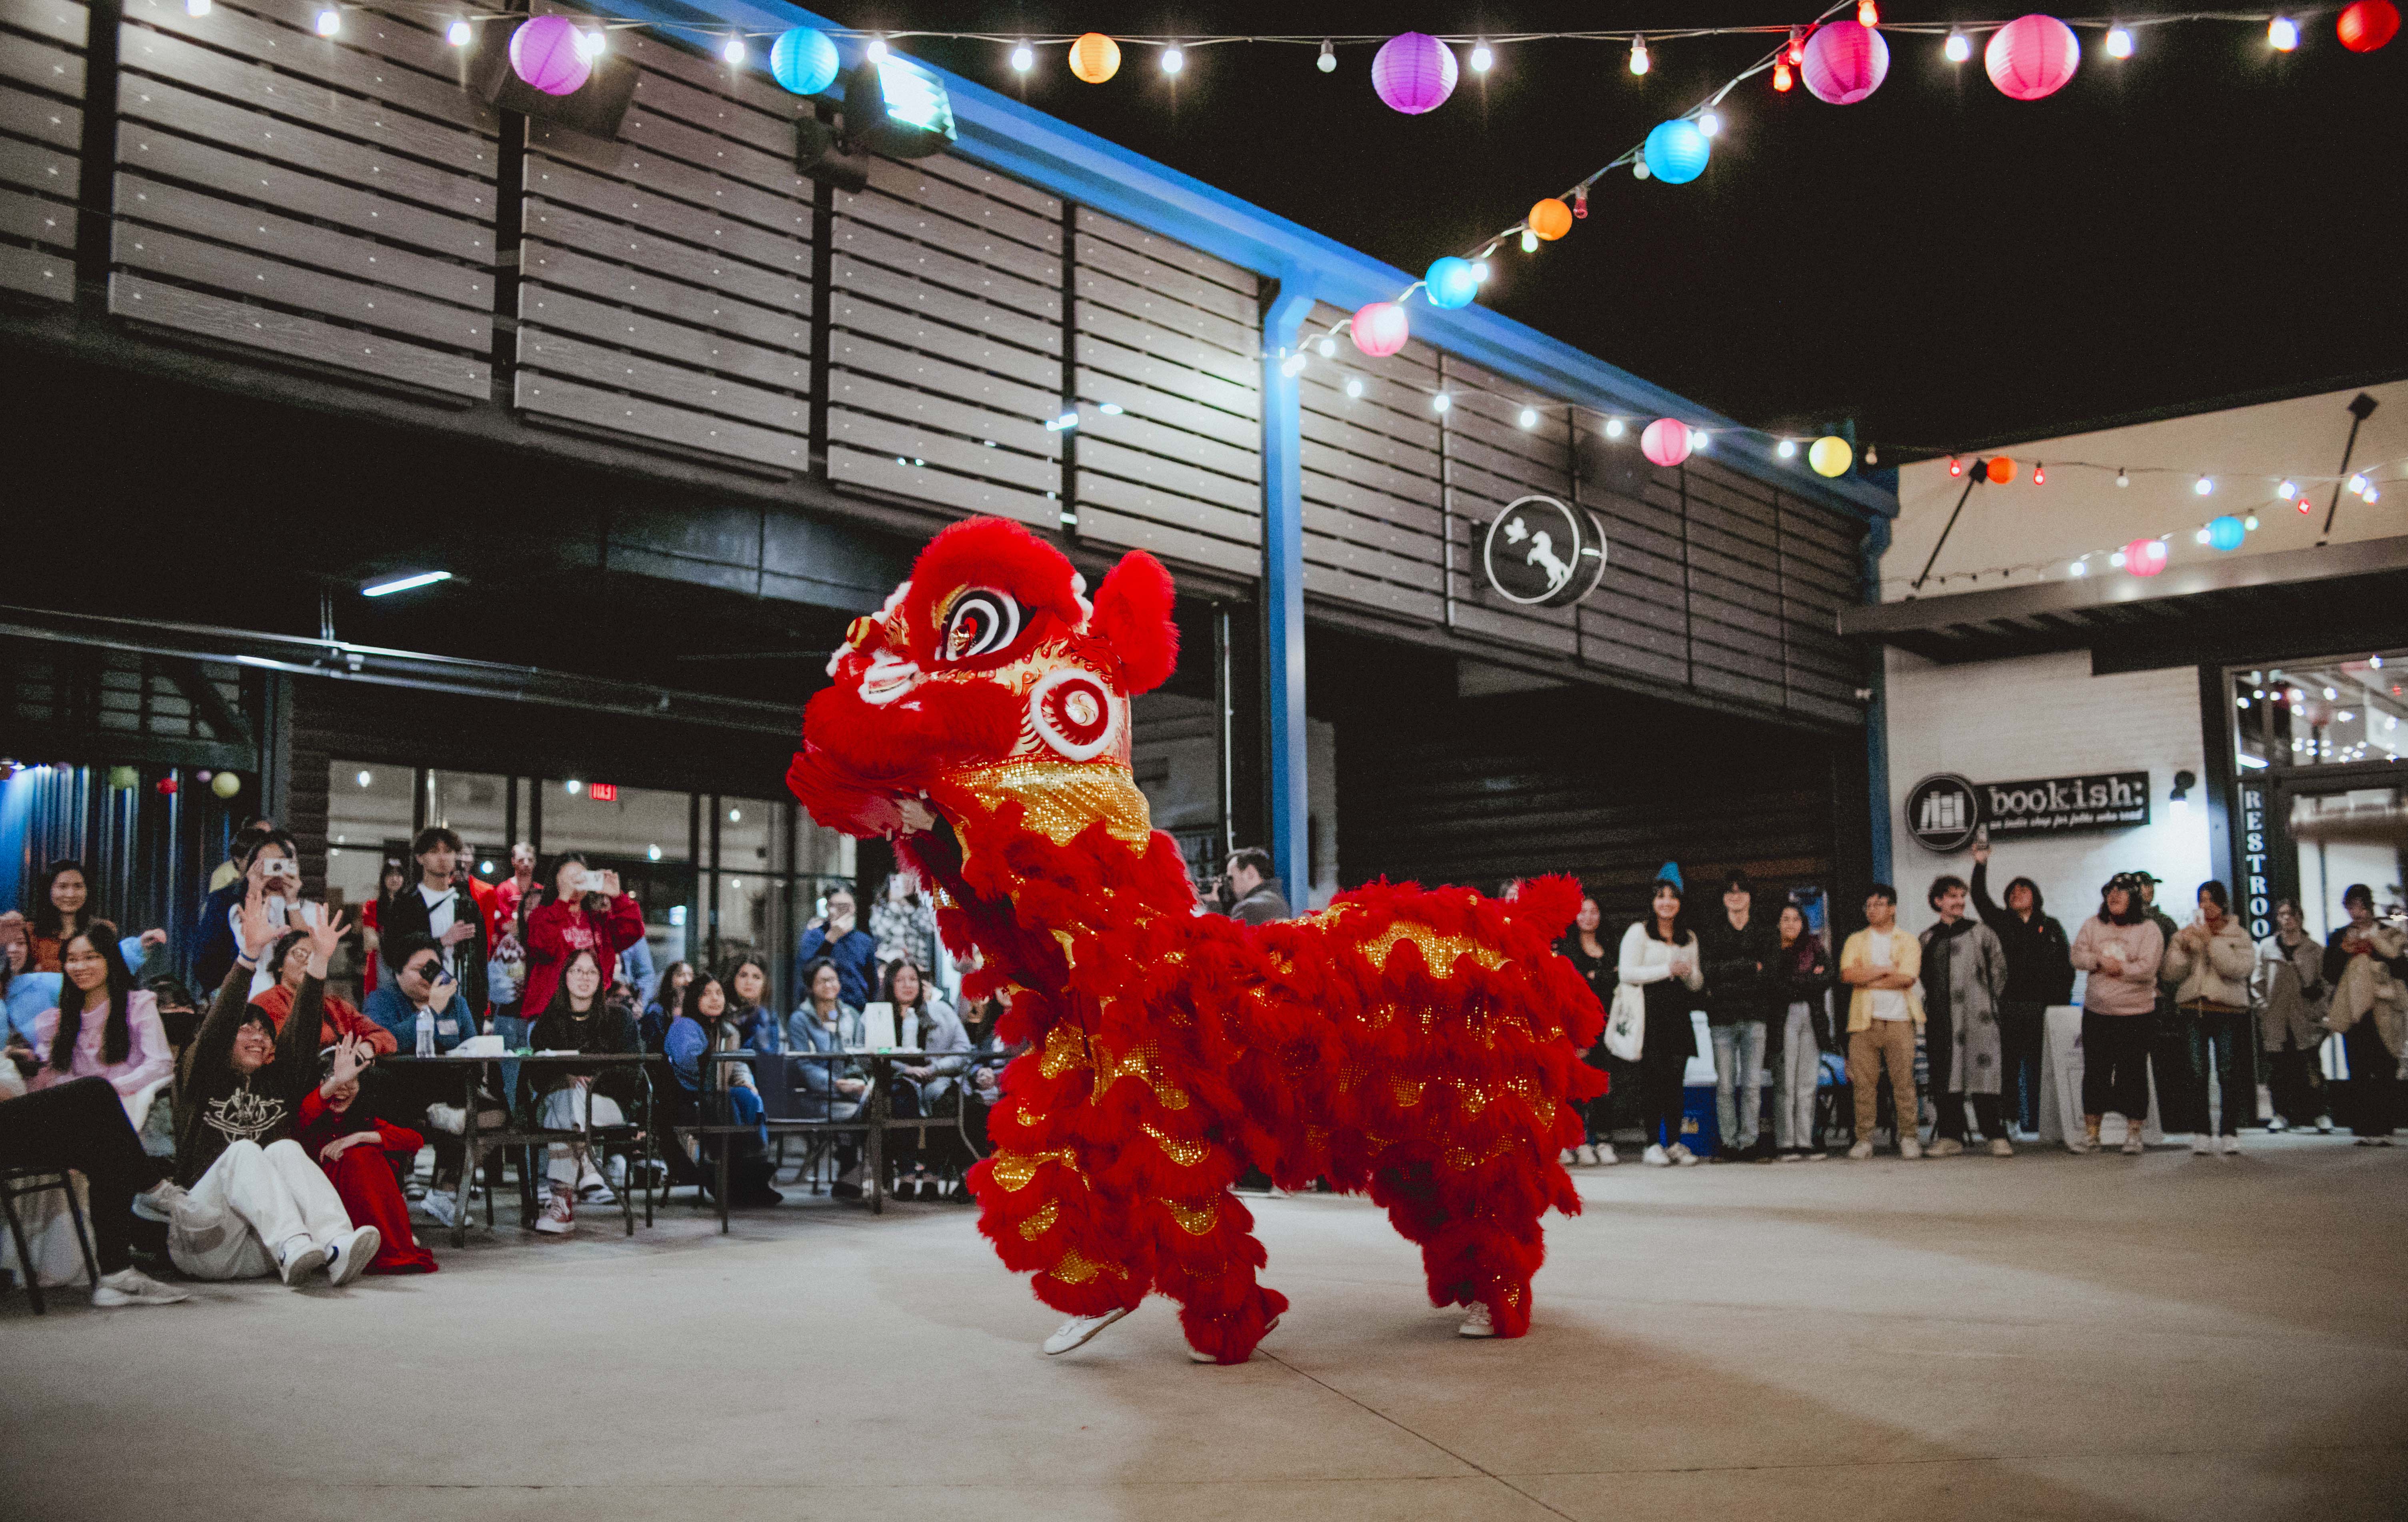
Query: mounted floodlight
{"type": "Point", "coordinates": [891, 106]}
{"type": "Point", "coordinates": [399, 584]}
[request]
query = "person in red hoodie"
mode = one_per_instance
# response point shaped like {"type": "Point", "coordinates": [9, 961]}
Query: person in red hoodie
{"type": "Point", "coordinates": [291, 961]}
{"type": "Point", "coordinates": [359, 1153]}
{"type": "Point", "coordinates": [583, 910]}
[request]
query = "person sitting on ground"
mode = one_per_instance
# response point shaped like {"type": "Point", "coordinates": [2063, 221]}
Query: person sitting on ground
{"type": "Point", "coordinates": [290, 963]}
{"type": "Point", "coordinates": [2287, 993]}
{"type": "Point", "coordinates": [922, 1022]}
{"type": "Point", "coordinates": [827, 1089]}
{"type": "Point", "coordinates": [1964, 975]}
{"type": "Point", "coordinates": [837, 937]}
{"type": "Point", "coordinates": [2121, 949]}
{"type": "Point", "coordinates": [364, 1156]}
{"type": "Point", "coordinates": [104, 1027]}
{"type": "Point", "coordinates": [24, 992]}
{"type": "Point", "coordinates": [1802, 975]}
{"type": "Point", "coordinates": [255, 1202]}
{"type": "Point", "coordinates": [2366, 962]}
{"type": "Point", "coordinates": [720, 1091]}
{"type": "Point", "coordinates": [578, 1019]}
{"type": "Point", "coordinates": [654, 1027]}
{"type": "Point", "coordinates": [63, 907]}
{"type": "Point", "coordinates": [1881, 962]}
{"type": "Point", "coordinates": [2209, 963]}
{"type": "Point", "coordinates": [81, 1125]}
{"type": "Point", "coordinates": [584, 911]}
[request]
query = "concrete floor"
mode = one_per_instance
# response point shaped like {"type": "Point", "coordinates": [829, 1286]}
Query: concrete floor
{"type": "Point", "coordinates": [2092, 1337]}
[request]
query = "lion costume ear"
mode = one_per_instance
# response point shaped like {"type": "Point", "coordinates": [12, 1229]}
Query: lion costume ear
{"type": "Point", "coordinates": [1133, 616]}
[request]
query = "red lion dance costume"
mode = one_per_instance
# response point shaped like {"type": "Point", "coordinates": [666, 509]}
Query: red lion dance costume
{"type": "Point", "coordinates": [1422, 1046]}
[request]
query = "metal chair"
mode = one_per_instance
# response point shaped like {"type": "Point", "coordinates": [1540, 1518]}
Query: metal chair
{"type": "Point", "coordinates": [17, 1182]}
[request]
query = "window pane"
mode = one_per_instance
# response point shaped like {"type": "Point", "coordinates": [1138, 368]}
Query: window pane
{"type": "Point", "coordinates": [2337, 712]}
{"type": "Point", "coordinates": [752, 923]}
{"type": "Point", "coordinates": [823, 852]}
{"type": "Point", "coordinates": [643, 823]}
{"type": "Point", "coordinates": [368, 821]}
{"type": "Point", "coordinates": [472, 804]}
{"type": "Point", "coordinates": [752, 835]}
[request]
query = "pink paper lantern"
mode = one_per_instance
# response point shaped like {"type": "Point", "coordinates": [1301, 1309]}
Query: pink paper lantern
{"type": "Point", "coordinates": [1413, 72]}
{"type": "Point", "coordinates": [544, 53]}
{"type": "Point", "coordinates": [1844, 63]}
{"type": "Point", "coordinates": [2145, 557]}
{"type": "Point", "coordinates": [2031, 56]}
{"type": "Point", "coordinates": [1667, 442]}
{"type": "Point", "coordinates": [1380, 329]}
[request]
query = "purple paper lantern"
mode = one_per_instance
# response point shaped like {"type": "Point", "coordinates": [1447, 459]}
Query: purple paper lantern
{"type": "Point", "coordinates": [544, 53]}
{"type": "Point", "coordinates": [1413, 72]}
{"type": "Point", "coordinates": [1844, 63]}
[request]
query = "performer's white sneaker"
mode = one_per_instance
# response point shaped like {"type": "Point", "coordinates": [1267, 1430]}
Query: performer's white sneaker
{"type": "Point", "coordinates": [1196, 1355]}
{"type": "Point", "coordinates": [1476, 1322]}
{"type": "Point", "coordinates": [1079, 1329]}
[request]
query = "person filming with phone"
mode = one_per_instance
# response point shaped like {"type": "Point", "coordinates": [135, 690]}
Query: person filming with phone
{"type": "Point", "coordinates": [583, 910]}
{"type": "Point", "coordinates": [837, 936]}
{"type": "Point", "coordinates": [436, 907]}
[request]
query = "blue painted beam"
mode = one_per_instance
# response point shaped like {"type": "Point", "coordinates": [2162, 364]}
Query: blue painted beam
{"type": "Point", "coordinates": [1283, 591]}
{"type": "Point", "coordinates": [1026, 143]}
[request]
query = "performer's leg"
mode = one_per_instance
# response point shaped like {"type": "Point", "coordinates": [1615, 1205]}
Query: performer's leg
{"type": "Point", "coordinates": [1478, 1233]}
{"type": "Point", "coordinates": [1046, 1214]}
{"type": "Point", "coordinates": [1205, 1258]}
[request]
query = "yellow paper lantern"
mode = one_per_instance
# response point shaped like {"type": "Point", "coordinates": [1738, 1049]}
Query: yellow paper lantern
{"type": "Point", "coordinates": [225, 784]}
{"type": "Point", "coordinates": [1830, 455]}
{"type": "Point", "coordinates": [1094, 58]}
{"type": "Point", "coordinates": [1551, 219]}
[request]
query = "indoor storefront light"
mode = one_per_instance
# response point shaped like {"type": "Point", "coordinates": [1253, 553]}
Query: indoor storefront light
{"type": "Point", "coordinates": [573, 787]}
{"type": "Point", "coordinates": [400, 584]}
{"type": "Point", "coordinates": [735, 815]}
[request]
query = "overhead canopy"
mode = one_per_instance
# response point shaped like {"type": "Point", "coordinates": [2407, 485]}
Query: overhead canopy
{"type": "Point", "coordinates": [2331, 597]}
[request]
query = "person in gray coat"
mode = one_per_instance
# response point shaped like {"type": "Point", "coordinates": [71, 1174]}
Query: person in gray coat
{"type": "Point", "coordinates": [2287, 993]}
{"type": "Point", "coordinates": [1964, 979]}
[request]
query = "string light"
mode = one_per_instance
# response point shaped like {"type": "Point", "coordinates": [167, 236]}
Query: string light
{"type": "Point", "coordinates": [2040, 475]}
{"type": "Point", "coordinates": [1787, 450]}
{"type": "Point", "coordinates": [1613, 427]}
{"type": "Point", "coordinates": [1328, 347]}
{"type": "Point", "coordinates": [2119, 42]}
{"type": "Point", "coordinates": [1781, 78]}
{"type": "Point", "coordinates": [1529, 241]}
{"type": "Point", "coordinates": [2079, 568]}
{"type": "Point", "coordinates": [1580, 201]}
{"type": "Point", "coordinates": [2287, 490]}
{"type": "Point", "coordinates": [196, 7]}
{"type": "Point", "coordinates": [1958, 49]}
{"type": "Point", "coordinates": [2304, 506]}
{"type": "Point", "coordinates": [876, 50]}
{"type": "Point", "coordinates": [329, 22]}
{"type": "Point", "coordinates": [458, 33]}
{"type": "Point", "coordinates": [1173, 60]}
{"type": "Point", "coordinates": [1868, 13]}
{"type": "Point", "coordinates": [1441, 402]}
{"type": "Point", "coordinates": [1024, 58]}
{"type": "Point", "coordinates": [2282, 34]}
{"type": "Point", "coordinates": [1709, 124]}
{"type": "Point", "coordinates": [2357, 486]}
{"type": "Point", "coordinates": [591, 44]}
{"type": "Point", "coordinates": [1353, 387]}
{"type": "Point", "coordinates": [1327, 61]}
{"type": "Point", "coordinates": [1529, 418]}
{"type": "Point", "coordinates": [734, 51]}
{"type": "Point", "coordinates": [1480, 269]}
{"type": "Point", "coordinates": [2250, 522]}
{"type": "Point", "coordinates": [1481, 57]}
{"type": "Point", "coordinates": [1796, 52]}
{"type": "Point", "coordinates": [1292, 366]}
{"type": "Point", "coordinates": [2202, 485]}
{"type": "Point", "coordinates": [1637, 55]}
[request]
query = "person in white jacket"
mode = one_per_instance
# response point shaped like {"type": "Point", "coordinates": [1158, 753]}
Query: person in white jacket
{"type": "Point", "coordinates": [1659, 957]}
{"type": "Point", "coordinates": [2209, 962]}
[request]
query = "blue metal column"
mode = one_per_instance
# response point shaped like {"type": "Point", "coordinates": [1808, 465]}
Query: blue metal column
{"type": "Point", "coordinates": [1876, 545]}
{"type": "Point", "coordinates": [1283, 593]}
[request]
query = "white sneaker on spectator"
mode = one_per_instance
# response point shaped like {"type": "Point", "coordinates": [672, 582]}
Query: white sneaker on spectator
{"type": "Point", "coordinates": [349, 1256]}
{"type": "Point", "coordinates": [2001, 1147]}
{"type": "Point", "coordinates": [592, 1191]}
{"type": "Point", "coordinates": [2323, 1125]}
{"type": "Point", "coordinates": [1655, 1157]}
{"type": "Point", "coordinates": [159, 1202]}
{"type": "Point", "coordinates": [132, 1286]}
{"type": "Point", "coordinates": [300, 1258]}
{"type": "Point", "coordinates": [2133, 1145]}
{"type": "Point", "coordinates": [1944, 1147]}
{"type": "Point", "coordinates": [442, 1206]}
{"type": "Point", "coordinates": [1605, 1155]}
{"type": "Point", "coordinates": [1679, 1152]}
{"type": "Point", "coordinates": [2276, 1125]}
{"type": "Point", "coordinates": [1569, 1157]}
{"type": "Point", "coordinates": [1477, 1321]}
{"type": "Point", "coordinates": [558, 1219]}
{"type": "Point", "coordinates": [2230, 1147]}
{"type": "Point", "coordinates": [1910, 1147]}
{"type": "Point", "coordinates": [1079, 1329]}
{"type": "Point", "coordinates": [450, 1119]}
{"type": "Point", "coordinates": [1860, 1152]}
{"type": "Point", "coordinates": [2202, 1144]}
{"type": "Point", "coordinates": [1587, 1154]}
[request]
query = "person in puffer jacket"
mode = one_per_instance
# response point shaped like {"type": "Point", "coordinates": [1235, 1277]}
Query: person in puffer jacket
{"type": "Point", "coordinates": [2209, 962]}
{"type": "Point", "coordinates": [2120, 948]}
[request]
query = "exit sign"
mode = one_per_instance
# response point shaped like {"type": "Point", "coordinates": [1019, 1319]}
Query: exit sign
{"type": "Point", "coordinates": [603, 792]}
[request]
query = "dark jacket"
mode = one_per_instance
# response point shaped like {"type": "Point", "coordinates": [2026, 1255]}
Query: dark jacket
{"type": "Point", "coordinates": [213, 946]}
{"type": "Point", "coordinates": [1742, 977]}
{"type": "Point", "coordinates": [1802, 974]}
{"type": "Point", "coordinates": [603, 1029]}
{"type": "Point", "coordinates": [1261, 907]}
{"type": "Point", "coordinates": [408, 914]}
{"type": "Point", "coordinates": [2040, 959]}
{"type": "Point", "coordinates": [217, 1106]}
{"type": "Point", "coordinates": [855, 955]}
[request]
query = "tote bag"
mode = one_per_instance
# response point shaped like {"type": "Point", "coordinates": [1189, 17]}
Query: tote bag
{"type": "Point", "coordinates": [1626, 1024]}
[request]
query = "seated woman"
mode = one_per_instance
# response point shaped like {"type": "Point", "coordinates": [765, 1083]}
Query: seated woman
{"type": "Point", "coordinates": [291, 963]}
{"type": "Point", "coordinates": [826, 1089]}
{"type": "Point", "coordinates": [578, 1019]}
{"type": "Point", "coordinates": [922, 1023]}
{"type": "Point", "coordinates": [416, 984]}
{"type": "Point", "coordinates": [24, 993]}
{"type": "Point", "coordinates": [104, 1027]}
{"type": "Point", "coordinates": [732, 1096]}
{"type": "Point", "coordinates": [981, 1084]}
{"type": "Point", "coordinates": [748, 985]}
{"type": "Point", "coordinates": [81, 1125]}
{"type": "Point", "coordinates": [361, 1154]}
{"type": "Point", "coordinates": [255, 1202]}
{"type": "Point", "coordinates": [669, 997]}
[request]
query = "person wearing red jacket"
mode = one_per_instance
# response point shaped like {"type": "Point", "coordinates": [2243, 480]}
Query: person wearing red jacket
{"type": "Point", "coordinates": [584, 911]}
{"type": "Point", "coordinates": [342, 1018]}
{"type": "Point", "coordinates": [359, 1151]}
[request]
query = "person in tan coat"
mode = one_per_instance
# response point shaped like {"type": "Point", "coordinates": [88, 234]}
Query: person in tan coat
{"type": "Point", "coordinates": [1881, 963]}
{"type": "Point", "coordinates": [2209, 962]}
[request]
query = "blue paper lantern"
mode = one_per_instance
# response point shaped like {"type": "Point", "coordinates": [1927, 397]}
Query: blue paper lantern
{"type": "Point", "coordinates": [1677, 150]}
{"type": "Point", "coordinates": [803, 59]}
{"type": "Point", "coordinates": [2226, 533]}
{"type": "Point", "coordinates": [1451, 282]}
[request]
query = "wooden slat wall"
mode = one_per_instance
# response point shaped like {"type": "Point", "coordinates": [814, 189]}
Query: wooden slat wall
{"type": "Point", "coordinates": [945, 340]}
{"type": "Point", "coordinates": [1491, 460]}
{"type": "Point", "coordinates": [1171, 336]}
{"type": "Point", "coordinates": [41, 134]}
{"type": "Point", "coordinates": [665, 276]}
{"type": "Point", "coordinates": [1821, 570]}
{"type": "Point", "coordinates": [1374, 528]}
{"type": "Point", "coordinates": [1637, 621]}
{"type": "Point", "coordinates": [330, 199]}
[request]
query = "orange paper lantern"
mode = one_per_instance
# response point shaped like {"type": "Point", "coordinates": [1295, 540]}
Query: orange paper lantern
{"type": "Point", "coordinates": [2001, 469]}
{"type": "Point", "coordinates": [1094, 58]}
{"type": "Point", "coordinates": [1551, 219]}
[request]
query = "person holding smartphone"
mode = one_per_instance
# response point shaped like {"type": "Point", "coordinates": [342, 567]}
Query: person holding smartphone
{"type": "Point", "coordinates": [437, 907]}
{"type": "Point", "coordinates": [583, 910]}
{"type": "Point", "coordinates": [421, 986]}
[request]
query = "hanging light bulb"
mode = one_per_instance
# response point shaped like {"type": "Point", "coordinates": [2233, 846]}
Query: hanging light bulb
{"type": "Point", "coordinates": [2250, 522]}
{"type": "Point", "coordinates": [1441, 402]}
{"type": "Point", "coordinates": [1480, 269]}
{"type": "Point", "coordinates": [591, 44]}
{"type": "Point", "coordinates": [2287, 490]}
{"type": "Point", "coordinates": [1328, 347]}
{"type": "Point", "coordinates": [1698, 439]}
{"type": "Point", "coordinates": [1529, 241]}
{"type": "Point", "coordinates": [1023, 58]}
{"type": "Point", "coordinates": [1353, 387]}
{"type": "Point", "coordinates": [1292, 366]}
{"type": "Point", "coordinates": [1639, 169]}
{"type": "Point", "coordinates": [458, 33]}
{"type": "Point", "coordinates": [330, 22]}
{"type": "Point", "coordinates": [196, 7]}
{"type": "Point", "coordinates": [1787, 450]}
{"type": "Point", "coordinates": [1327, 61]}
{"type": "Point", "coordinates": [1709, 124]}
{"type": "Point", "coordinates": [1481, 57]}
{"type": "Point", "coordinates": [876, 50]}
{"type": "Point", "coordinates": [1872, 456]}
{"type": "Point", "coordinates": [2357, 486]}
{"type": "Point", "coordinates": [1529, 418]}
{"type": "Point", "coordinates": [734, 51]}
{"type": "Point", "coordinates": [2370, 495]}
{"type": "Point", "coordinates": [2304, 506]}
{"type": "Point", "coordinates": [1638, 55]}
{"type": "Point", "coordinates": [2116, 560]}
{"type": "Point", "coordinates": [2079, 568]}
{"type": "Point", "coordinates": [1614, 428]}
{"type": "Point", "coordinates": [1580, 201]}
{"type": "Point", "coordinates": [1781, 79]}
{"type": "Point", "coordinates": [2119, 42]}
{"type": "Point", "coordinates": [2040, 473]}
{"type": "Point", "coordinates": [2203, 487]}
{"type": "Point", "coordinates": [1797, 50]}
{"type": "Point", "coordinates": [1958, 47]}
{"type": "Point", "coordinates": [2200, 539]}
{"type": "Point", "coordinates": [1868, 13]}
{"type": "Point", "coordinates": [2122, 480]}
{"type": "Point", "coordinates": [1173, 60]}
{"type": "Point", "coordinates": [2282, 34]}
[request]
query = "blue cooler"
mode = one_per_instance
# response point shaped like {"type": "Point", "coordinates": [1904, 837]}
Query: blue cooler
{"type": "Point", "coordinates": [1699, 1129]}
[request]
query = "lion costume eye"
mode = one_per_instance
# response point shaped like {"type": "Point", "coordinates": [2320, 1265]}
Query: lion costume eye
{"type": "Point", "coordinates": [981, 623]}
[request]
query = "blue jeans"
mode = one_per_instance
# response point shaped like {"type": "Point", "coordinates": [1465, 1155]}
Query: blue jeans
{"type": "Point", "coordinates": [514, 1033]}
{"type": "Point", "coordinates": [1739, 1058]}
